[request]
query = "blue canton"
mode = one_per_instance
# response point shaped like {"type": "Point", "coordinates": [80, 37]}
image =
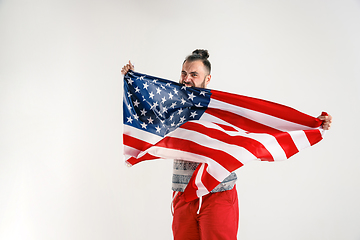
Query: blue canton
{"type": "Point", "coordinates": [159, 106]}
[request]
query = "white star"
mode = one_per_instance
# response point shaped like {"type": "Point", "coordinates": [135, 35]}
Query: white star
{"type": "Point", "coordinates": [164, 109]}
{"type": "Point", "coordinates": [146, 85]}
{"type": "Point", "coordinates": [155, 80]}
{"type": "Point", "coordinates": [143, 112]}
{"type": "Point", "coordinates": [180, 111]}
{"type": "Point", "coordinates": [192, 96]}
{"type": "Point", "coordinates": [162, 86]}
{"type": "Point", "coordinates": [182, 119]}
{"type": "Point", "coordinates": [193, 114]}
{"type": "Point", "coordinates": [143, 125]}
{"type": "Point", "coordinates": [154, 106]}
{"type": "Point", "coordinates": [142, 78]}
{"type": "Point", "coordinates": [171, 117]}
{"type": "Point", "coordinates": [129, 94]}
{"type": "Point", "coordinates": [183, 101]}
{"type": "Point", "coordinates": [158, 112]}
{"type": "Point", "coordinates": [202, 93]}
{"type": "Point", "coordinates": [173, 105]}
{"type": "Point", "coordinates": [136, 103]}
{"type": "Point", "coordinates": [137, 89]}
{"type": "Point", "coordinates": [163, 100]}
{"type": "Point", "coordinates": [150, 120]}
{"type": "Point", "coordinates": [168, 84]}
{"type": "Point", "coordinates": [175, 91]}
{"type": "Point", "coordinates": [129, 119]}
{"type": "Point", "coordinates": [158, 129]}
{"type": "Point", "coordinates": [183, 87]}
{"type": "Point", "coordinates": [136, 117]}
{"type": "Point", "coordinates": [130, 81]}
{"type": "Point", "coordinates": [129, 106]}
{"type": "Point", "coordinates": [158, 90]}
{"type": "Point", "coordinates": [173, 124]}
{"type": "Point", "coordinates": [151, 95]}
{"type": "Point", "coordinates": [170, 96]}
{"type": "Point", "coordinates": [198, 105]}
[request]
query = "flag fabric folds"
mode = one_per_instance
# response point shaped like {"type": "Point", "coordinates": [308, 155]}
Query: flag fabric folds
{"type": "Point", "coordinates": [222, 131]}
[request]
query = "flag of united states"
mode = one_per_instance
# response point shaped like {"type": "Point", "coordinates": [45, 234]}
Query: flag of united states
{"type": "Point", "coordinates": [222, 131]}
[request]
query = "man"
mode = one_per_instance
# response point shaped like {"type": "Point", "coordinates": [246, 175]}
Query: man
{"type": "Point", "coordinates": [216, 215]}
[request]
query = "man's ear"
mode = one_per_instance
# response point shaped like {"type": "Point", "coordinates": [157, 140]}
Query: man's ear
{"type": "Point", "coordinates": [207, 79]}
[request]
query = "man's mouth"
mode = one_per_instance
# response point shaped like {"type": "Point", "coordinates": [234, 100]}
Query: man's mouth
{"type": "Point", "coordinates": [188, 84]}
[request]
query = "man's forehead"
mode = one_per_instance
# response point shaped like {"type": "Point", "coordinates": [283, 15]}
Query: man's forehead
{"type": "Point", "coordinates": [194, 66]}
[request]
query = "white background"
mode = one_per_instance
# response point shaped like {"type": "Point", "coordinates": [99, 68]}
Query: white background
{"type": "Point", "coordinates": [62, 174]}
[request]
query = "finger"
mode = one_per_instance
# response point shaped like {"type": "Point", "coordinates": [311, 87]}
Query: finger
{"type": "Point", "coordinates": [124, 70]}
{"type": "Point", "coordinates": [330, 118]}
{"type": "Point", "coordinates": [326, 125]}
{"type": "Point", "coordinates": [325, 118]}
{"type": "Point", "coordinates": [131, 65]}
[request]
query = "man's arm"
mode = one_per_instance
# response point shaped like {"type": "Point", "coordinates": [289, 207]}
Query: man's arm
{"type": "Point", "coordinates": [127, 67]}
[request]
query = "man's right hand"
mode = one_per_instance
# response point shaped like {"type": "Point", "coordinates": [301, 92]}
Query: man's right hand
{"type": "Point", "coordinates": [127, 67]}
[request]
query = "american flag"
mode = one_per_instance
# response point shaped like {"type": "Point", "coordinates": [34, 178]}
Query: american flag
{"type": "Point", "coordinates": [222, 131]}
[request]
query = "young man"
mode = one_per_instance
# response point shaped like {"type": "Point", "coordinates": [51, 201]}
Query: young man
{"type": "Point", "coordinates": [216, 215]}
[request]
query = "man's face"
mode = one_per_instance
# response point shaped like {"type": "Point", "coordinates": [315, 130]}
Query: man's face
{"type": "Point", "coordinates": [194, 74]}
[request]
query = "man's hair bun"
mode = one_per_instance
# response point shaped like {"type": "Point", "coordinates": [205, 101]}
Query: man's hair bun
{"type": "Point", "coordinates": [201, 52]}
{"type": "Point", "coordinates": [201, 55]}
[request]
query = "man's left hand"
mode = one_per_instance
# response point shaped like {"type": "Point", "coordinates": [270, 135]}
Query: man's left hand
{"type": "Point", "coordinates": [326, 121]}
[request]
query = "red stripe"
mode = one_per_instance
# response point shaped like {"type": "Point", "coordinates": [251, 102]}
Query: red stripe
{"type": "Point", "coordinates": [140, 145]}
{"type": "Point", "coordinates": [314, 136]}
{"type": "Point", "coordinates": [253, 146]}
{"type": "Point", "coordinates": [267, 107]}
{"type": "Point", "coordinates": [208, 181]}
{"type": "Point", "coordinates": [135, 143]}
{"type": "Point", "coordinates": [283, 138]}
{"type": "Point", "coordinates": [286, 143]}
{"type": "Point", "coordinates": [223, 158]}
{"type": "Point", "coordinates": [146, 157]}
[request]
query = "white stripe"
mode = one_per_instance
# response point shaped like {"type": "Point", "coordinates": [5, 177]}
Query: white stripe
{"type": "Point", "coordinates": [300, 139]}
{"type": "Point", "coordinates": [141, 134]}
{"type": "Point", "coordinates": [130, 152]}
{"type": "Point", "coordinates": [265, 119]}
{"type": "Point", "coordinates": [214, 169]}
{"type": "Point", "coordinates": [239, 153]}
{"type": "Point", "coordinates": [210, 118]}
{"type": "Point", "coordinates": [202, 190]}
{"type": "Point", "coordinates": [269, 142]}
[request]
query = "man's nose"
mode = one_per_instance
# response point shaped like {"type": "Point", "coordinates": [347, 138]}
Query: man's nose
{"type": "Point", "coordinates": [186, 78]}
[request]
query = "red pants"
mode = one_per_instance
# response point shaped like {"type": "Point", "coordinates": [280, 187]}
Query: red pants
{"type": "Point", "coordinates": [218, 217]}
